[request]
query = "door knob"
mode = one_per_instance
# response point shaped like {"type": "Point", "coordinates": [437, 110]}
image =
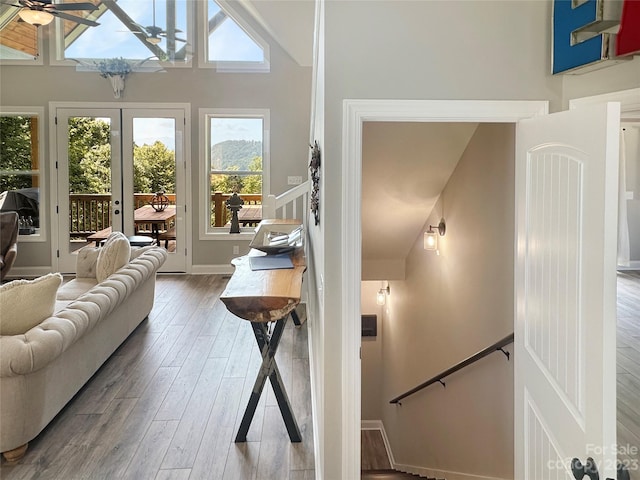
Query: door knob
{"type": "Point", "coordinates": [116, 212]}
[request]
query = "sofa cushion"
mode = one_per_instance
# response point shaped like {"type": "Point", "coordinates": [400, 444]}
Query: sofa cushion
{"type": "Point", "coordinates": [76, 287]}
{"type": "Point", "coordinates": [26, 303]}
{"type": "Point", "coordinates": [113, 255]}
{"type": "Point", "coordinates": [86, 262]}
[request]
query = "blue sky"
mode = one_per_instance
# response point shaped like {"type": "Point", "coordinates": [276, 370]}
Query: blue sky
{"type": "Point", "coordinates": [112, 39]}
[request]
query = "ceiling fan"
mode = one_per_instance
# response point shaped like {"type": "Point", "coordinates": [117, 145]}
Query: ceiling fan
{"type": "Point", "coordinates": [42, 12]}
{"type": "Point", "coordinates": [153, 32]}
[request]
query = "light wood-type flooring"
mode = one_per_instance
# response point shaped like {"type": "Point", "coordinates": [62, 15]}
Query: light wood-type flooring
{"type": "Point", "coordinates": [168, 403]}
{"type": "Point", "coordinates": [628, 378]}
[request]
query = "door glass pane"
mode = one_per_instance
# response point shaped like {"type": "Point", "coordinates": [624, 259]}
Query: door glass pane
{"type": "Point", "coordinates": [20, 170]}
{"type": "Point", "coordinates": [154, 173]}
{"type": "Point", "coordinates": [89, 178]}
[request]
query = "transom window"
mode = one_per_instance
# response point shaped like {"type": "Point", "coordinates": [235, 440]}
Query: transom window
{"type": "Point", "coordinates": [236, 161]}
{"type": "Point", "coordinates": [143, 31]}
{"type": "Point", "coordinates": [21, 169]}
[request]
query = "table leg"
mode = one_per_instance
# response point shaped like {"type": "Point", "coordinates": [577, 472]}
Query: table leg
{"type": "Point", "coordinates": [268, 347]}
{"type": "Point", "coordinates": [295, 318]}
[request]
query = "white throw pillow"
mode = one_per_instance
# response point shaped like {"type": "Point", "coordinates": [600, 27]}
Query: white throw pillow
{"type": "Point", "coordinates": [113, 255]}
{"type": "Point", "coordinates": [26, 303]}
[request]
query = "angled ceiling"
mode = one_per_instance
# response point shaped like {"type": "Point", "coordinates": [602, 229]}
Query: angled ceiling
{"type": "Point", "coordinates": [405, 166]}
{"type": "Point", "coordinates": [290, 23]}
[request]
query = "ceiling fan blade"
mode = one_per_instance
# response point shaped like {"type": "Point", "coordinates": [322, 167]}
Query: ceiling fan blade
{"type": "Point", "coordinates": [74, 18]}
{"type": "Point", "coordinates": [75, 6]}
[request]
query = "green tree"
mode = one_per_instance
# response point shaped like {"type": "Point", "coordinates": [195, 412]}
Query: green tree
{"type": "Point", "coordinates": [253, 183]}
{"type": "Point", "coordinates": [154, 168]}
{"type": "Point", "coordinates": [15, 151]}
{"type": "Point", "coordinates": [88, 135]}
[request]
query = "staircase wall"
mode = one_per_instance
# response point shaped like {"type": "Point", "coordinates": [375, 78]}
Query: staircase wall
{"type": "Point", "coordinates": [450, 306]}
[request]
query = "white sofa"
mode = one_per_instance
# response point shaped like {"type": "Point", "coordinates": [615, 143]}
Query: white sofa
{"type": "Point", "coordinates": [42, 369]}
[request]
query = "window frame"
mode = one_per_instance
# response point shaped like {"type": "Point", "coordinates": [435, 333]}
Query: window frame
{"type": "Point", "coordinates": [229, 66]}
{"type": "Point", "coordinates": [57, 57]}
{"type": "Point", "coordinates": [43, 199]}
{"type": "Point", "coordinates": [5, 18]}
{"type": "Point", "coordinates": [207, 232]}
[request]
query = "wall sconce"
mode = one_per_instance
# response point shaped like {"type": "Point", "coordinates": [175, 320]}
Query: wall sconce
{"type": "Point", "coordinates": [35, 17]}
{"type": "Point", "coordinates": [431, 236]}
{"type": "Point", "coordinates": [381, 296]}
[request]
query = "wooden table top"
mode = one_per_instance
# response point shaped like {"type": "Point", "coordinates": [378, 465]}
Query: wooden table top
{"type": "Point", "coordinates": [264, 295]}
{"type": "Point", "coordinates": [147, 214]}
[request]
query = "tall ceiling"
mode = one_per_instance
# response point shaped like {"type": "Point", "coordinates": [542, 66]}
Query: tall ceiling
{"type": "Point", "coordinates": [290, 23]}
{"type": "Point", "coordinates": [405, 167]}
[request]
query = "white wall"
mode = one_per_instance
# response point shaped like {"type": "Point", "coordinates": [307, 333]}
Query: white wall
{"type": "Point", "coordinates": [285, 91]}
{"type": "Point", "coordinates": [371, 353]}
{"type": "Point", "coordinates": [632, 143]}
{"type": "Point", "coordinates": [451, 306]}
{"type": "Point", "coordinates": [414, 50]}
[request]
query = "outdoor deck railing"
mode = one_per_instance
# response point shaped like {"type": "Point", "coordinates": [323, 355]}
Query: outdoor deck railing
{"type": "Point", "coordinates": [91, 212]}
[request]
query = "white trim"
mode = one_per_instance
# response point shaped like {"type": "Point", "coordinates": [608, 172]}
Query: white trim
{"type": "Point", "coordinates": [211, 269]}
{"type": "Point", "coordinates": [629, 101]}
{"type": "Point", "coordinates": [28, 272]}
{"type": "Point", "coordinates": [43, 171]}
{"type": "Point", "coordinates": [354, 113]}
{"type": "Point", "coordinates": [206, 232]}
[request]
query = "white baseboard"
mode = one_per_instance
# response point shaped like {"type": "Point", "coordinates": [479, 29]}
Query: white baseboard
{"type": "Point", "coordinates": [634, 265]}
{"type": "Point", "coordinates": [211, 269]}
{"type": "Point", "coordinates": [422, 471]}
{"type": "Point", "coordinates": [28, 272]}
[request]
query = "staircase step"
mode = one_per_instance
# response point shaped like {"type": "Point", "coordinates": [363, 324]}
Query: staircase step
{"type": "Point", "coordinates": [386, 475]}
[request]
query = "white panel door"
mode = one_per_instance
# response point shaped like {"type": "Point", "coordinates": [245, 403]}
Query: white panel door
{"type": "Point", "coordinates": [565, 345]}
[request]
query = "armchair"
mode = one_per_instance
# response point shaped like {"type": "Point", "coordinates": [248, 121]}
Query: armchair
{"type": "Point", "coordinates": [8, 241]}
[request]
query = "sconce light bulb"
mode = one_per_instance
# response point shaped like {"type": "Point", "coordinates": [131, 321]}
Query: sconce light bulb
{"type": "Point", "coordinates": [430, 240]}
{"type": "Point", "coordinates": [381, 298]}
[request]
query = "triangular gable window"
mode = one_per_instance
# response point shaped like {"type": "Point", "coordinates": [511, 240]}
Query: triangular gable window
{"type": "Point", "coordinates": [231, 44]}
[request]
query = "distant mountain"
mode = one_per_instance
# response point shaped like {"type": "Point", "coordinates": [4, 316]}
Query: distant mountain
{"type": "Point", "coordinates": [235, 153]}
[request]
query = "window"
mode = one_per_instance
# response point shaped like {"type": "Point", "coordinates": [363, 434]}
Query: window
{"type": "Point", "coordinates": [20, 43]}
{"type": "Point", "coordinates": [235, 160]}
{"type": "Point", "coordinates": [229, 43]}
{"type": "Point", "coordinates": [21, 169]}
{"type": "Point", "coordinates": [141, 31]}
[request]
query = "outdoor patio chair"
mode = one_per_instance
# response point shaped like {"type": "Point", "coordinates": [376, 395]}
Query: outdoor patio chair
{"type": "Point", "coordinates": [8, 241]}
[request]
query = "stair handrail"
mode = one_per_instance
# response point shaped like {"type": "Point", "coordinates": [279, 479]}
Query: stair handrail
{"type": "Point", "coordinates": [498, 346]}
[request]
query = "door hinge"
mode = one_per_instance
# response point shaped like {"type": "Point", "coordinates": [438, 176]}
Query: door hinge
{"type": "Point", "coordinates": [57, 210]}
{"type": "Point", "coordinates": [185, 252]}
{"type": "Point", "coordinates": [58, 253]}
{"type": "Point", "coordinates": [55, 120]}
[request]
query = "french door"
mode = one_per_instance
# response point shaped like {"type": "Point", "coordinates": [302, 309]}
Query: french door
{"type": "Point", "coordinates": [110, 163]}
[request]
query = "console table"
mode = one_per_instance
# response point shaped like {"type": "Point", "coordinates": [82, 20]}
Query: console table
{"type": "Point", "coordinates": [260, 297]}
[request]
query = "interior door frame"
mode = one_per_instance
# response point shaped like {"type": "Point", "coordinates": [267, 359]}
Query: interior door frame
{"type": "Point", "coordinates": [354, 113]}
{"type": "Point", "coordinates": [186, 145]}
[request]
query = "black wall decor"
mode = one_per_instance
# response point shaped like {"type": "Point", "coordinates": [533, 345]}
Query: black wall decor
{"type": "Point", "coordinates": [314, 166]}
{"type": "Point", "coordinates": [369, 325]}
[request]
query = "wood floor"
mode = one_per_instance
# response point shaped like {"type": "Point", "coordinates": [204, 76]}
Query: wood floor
{"type": "Point", "coordinates": [628, 378]}
{"type": "Point", "coordinates": [168, 403]}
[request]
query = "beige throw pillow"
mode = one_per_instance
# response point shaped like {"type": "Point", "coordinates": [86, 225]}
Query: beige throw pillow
{"type": "Point", "coordinates": [26, 303]}
{"type": "Point", "coordinates": [113, 255]}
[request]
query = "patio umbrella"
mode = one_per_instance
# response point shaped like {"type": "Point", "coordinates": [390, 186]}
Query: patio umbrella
{"type": "Point", "coordinates": [25, 201]}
